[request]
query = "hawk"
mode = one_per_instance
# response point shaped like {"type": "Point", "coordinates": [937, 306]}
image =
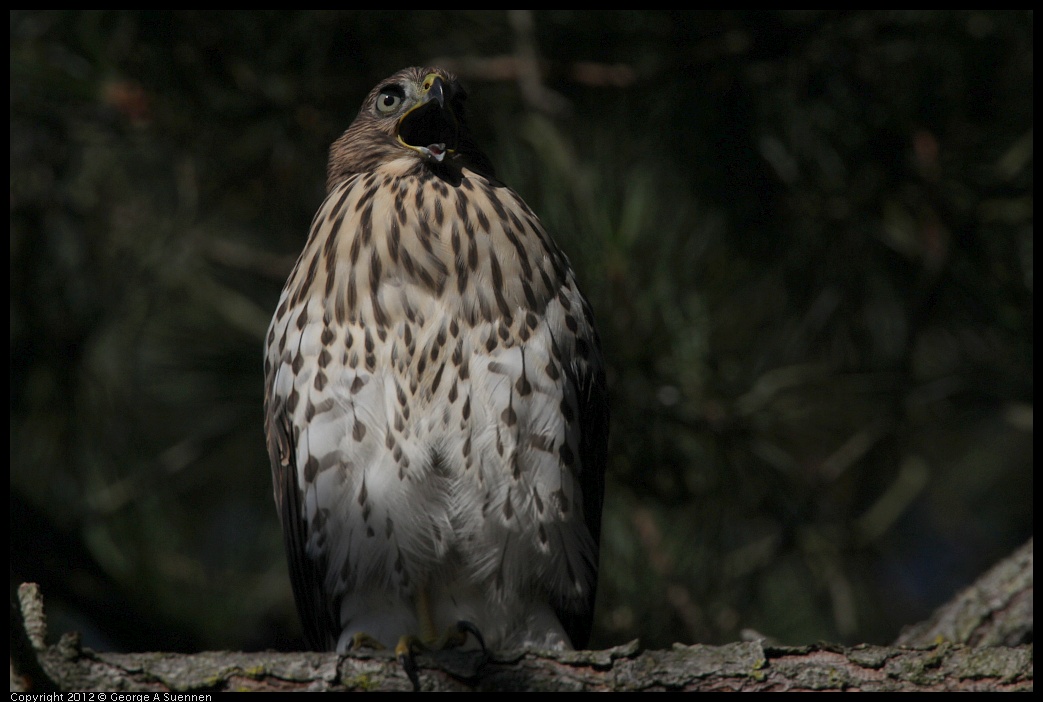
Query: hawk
{"type": "Point", "coordinates": [434, 396]}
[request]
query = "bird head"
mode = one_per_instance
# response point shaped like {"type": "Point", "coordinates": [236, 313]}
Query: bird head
{"type": "Point", "coordinates": [414, 119]}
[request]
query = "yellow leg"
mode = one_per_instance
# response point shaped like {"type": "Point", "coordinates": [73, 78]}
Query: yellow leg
{"type": "Point", "coordinates": [429, 640]}
{"type": "Point", "coordinates": [422, 605]}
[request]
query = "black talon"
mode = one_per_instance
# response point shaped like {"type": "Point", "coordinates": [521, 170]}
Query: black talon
{"type": "Point", "coordinates": [465, 627]}
{"type": "Point", "coordinates": [408, 663]}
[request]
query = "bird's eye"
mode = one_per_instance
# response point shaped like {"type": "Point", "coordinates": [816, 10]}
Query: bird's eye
{"type": "Point", "coordinates": [389, 100]}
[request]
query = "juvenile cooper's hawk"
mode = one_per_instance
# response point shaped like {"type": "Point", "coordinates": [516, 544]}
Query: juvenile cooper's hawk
{"type": "Point", "coordinates": [435, 398]}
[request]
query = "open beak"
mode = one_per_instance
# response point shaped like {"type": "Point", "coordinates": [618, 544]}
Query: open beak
{"type": "Point", "coordinates": [430, 127]}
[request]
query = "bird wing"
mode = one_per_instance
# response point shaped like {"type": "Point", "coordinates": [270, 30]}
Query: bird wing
{"type": "Point", "coordinates": [314, 606]}
{"type": "Point", "coordinates": [593, 420]}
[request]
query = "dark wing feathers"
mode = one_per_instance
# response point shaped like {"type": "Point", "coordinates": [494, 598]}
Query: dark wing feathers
{"type": "Point", "coordinates": [593, 419]}
{"type": "Point", "coordinates": [314, 607]}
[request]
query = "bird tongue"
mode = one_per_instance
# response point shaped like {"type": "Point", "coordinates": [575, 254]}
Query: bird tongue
{"type": "Point", "coordinates": [437, 151]}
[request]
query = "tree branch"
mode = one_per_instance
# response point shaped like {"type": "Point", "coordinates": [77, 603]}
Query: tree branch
{"type": "Point", "coordinates": [995, 611]}
{"type": "Point", "coordinates": [735, 667]}
{"type": "Point", "coordinates": [990, 616]}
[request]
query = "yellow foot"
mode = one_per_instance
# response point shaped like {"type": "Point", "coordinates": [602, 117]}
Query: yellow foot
{"type": "Point", "coordinates": [454, 637]}
{"type": "Point", "coordinates": [363, 640]}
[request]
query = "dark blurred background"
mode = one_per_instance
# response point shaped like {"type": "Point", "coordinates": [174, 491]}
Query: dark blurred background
{"type": "Point", "coordinates": [807, 237]}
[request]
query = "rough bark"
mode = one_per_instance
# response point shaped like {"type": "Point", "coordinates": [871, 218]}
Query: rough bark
{"type": "Point", "coordinates": [995, 611]}
{"type": "Point", "coordinates": [966, 645]}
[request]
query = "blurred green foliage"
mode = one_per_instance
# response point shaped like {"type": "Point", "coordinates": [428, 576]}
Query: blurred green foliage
{"type": "Point", "coordinates": [807, 237]}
